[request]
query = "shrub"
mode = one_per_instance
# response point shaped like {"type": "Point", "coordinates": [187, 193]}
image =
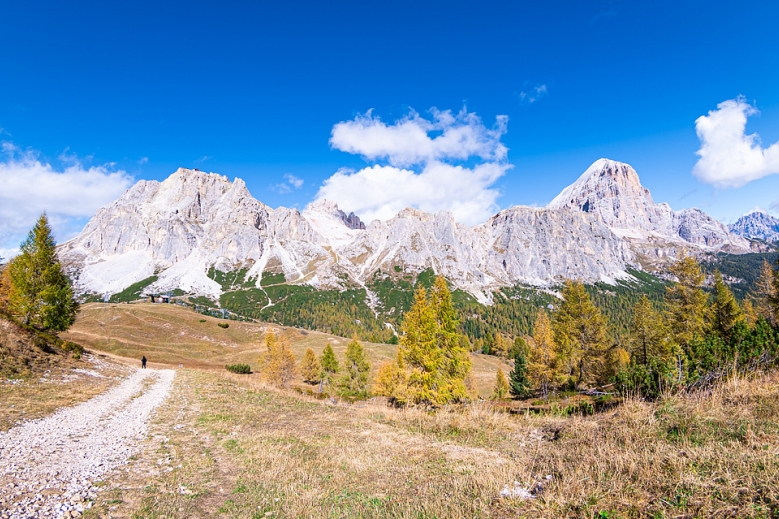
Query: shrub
{"type": "Point", "coordinates": [223, 325]}
{"type": "Point", "coordinates": [202, 320]}
{"type": "Point", "coordinates": [241, 369]}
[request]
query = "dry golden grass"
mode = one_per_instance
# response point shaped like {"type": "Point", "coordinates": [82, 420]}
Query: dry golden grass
{"type": "Point", "coordinates": [249, 452]}
{"type": "Point", "coordinates": [59, 387]}
{"type": "Point", "coordinates": [172, 335]}
{"type": "Point", "coordinates": [36, 378]}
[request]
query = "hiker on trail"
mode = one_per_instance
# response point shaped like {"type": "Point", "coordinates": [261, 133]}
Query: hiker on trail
{"type": "Point", "coordinates": [143, 362]}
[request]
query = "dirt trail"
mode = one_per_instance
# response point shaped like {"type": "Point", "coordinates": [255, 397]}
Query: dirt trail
{"type": "Point", "coordinates": [49, 467]}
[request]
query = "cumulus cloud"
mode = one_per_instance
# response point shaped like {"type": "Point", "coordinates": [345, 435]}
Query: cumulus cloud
{"type": "Point", "coordinates": [729, 157]}
{"type": "Point", "coordinates": [69, 194]}
{"type": "Point", "coordinates": [449, 162]}
{"type": "Point", "coordinates": [380, 192]}
{"type": "Point", "coordinates": [409, 141]}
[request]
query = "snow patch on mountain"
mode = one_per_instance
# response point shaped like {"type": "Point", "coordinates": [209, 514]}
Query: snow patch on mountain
{"type": "Point", "coordinates": [113, 273]}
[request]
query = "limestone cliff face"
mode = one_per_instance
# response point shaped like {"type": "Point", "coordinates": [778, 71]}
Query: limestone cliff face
{"type": "Point", "coordinates": [189, 221]}
{"type": "Point", "coordinates": [536, 246]}
{"type": "Point", "coordinates": [193, 221]}
{"type": "Point", "coordinates": [758, 226]}
{"type": "Point", "coordinates": [613, 192]}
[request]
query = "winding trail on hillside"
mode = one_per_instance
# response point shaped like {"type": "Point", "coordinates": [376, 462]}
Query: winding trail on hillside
{"type": "Point", "coordinates": [49, 467]}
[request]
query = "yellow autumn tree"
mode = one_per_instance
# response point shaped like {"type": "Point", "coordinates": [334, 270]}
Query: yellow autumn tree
{"type": "Point", "coordinates": [686, 302]}
{"type": "Point", "coordinates": [580, 334]}
{"type": "Point", "coordinates": [764, 293]}
{"type": "Point", "coordinates": [501, 346]}
{"type": "Point", "coordinates": [541, 361]}
{"type": "Point", "coordinates": [750, 312]}
{"type": "Point", "coordinates": [434, 358]}
{"type": "Point", "coordinates": [310, 369]}
{"type": "Point", "coordinates": [501, 390]}
{"type": "Point", "coordinates": [389, 379]}
{"type": "Point", "coordinates": [5, 288]}
{"type": "Point", "coordinates": [649, 338]}
{"type": "Point", "coordinates": [277, 364]}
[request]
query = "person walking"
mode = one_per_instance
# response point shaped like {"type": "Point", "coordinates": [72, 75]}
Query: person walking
{"type": "Point", "coordinates": [143, 362]}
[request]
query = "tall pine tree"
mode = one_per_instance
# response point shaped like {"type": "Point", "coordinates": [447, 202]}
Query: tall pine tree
{"type": "Point", "coordinates": [580, 333]}
{"type": "Point", "coordinates": [456, 361]}
{"type": "Point", "coordinates": [725, 312]}
{"type": "Point", "coordinates": [649, 337]}
{"type": "Point", "coordinates": [764, 293]}
{"type": "Point", "coordinates": [542, 362]}
{"type": "Point", "coordinates": [685, 302]}
{"type": "Point", "coordinates": [40, 294]}
{"type": "Point", "coordinates": [432, 354]}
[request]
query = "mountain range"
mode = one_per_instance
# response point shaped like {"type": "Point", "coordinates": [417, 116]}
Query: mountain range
{"type": "Point", "coordinates": [173, 233]}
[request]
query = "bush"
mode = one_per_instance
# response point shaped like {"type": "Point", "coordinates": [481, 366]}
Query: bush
{"type": "Point", "coordinates": [583, 408]}
{"type": "Point", "coordinates": [241, 369]}
{"type": "Point", "coordinates": [202, 320]}
{"type": "Point", "coordinates": [223, 325]}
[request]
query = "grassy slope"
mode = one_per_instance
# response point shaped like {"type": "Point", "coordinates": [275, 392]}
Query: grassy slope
{"type": "Point", "coordinates": [174, 335]}
{"type": "Point", "coordinates": [37, 377]}
{"type": "Point", "coordinates": [241, 451]}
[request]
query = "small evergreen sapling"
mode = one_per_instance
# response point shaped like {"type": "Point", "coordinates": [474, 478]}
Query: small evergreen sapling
{"type": "Point", "coordinates": [518, 380]}
{"type": "Point", "coordinates": [354, 381]}
{"type": "Point", "coordinates": [329, 365]}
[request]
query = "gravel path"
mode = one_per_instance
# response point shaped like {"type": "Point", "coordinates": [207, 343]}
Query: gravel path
{"type": "Point", "coordinates": [49, 467]}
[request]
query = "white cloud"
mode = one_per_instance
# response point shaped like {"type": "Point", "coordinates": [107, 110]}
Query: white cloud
{"type": "Point", "coordinates": [408, 141]}
{"type": "Point", "coordinates": [69, 195]}
{"type": "Point", "coordinates": [532, 95]}
{"type": "Point", "coordinates": [290, 182]}
{"type": "Point", "coordinates": [422, 170]}
{"type": "Point", "coordinates": [729, 157]}
{"type": "Point", "coordinates": [143, 160]}
{"type": "Point", "coordinates": [380, 192]}
{"type": "Point", "coordinates": [294, 181]}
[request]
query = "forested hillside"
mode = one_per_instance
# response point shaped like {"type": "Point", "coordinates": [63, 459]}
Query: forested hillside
{"type": "Point", "coordinates": [375, 312]}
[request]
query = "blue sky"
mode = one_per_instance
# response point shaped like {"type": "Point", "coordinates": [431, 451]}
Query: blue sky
{"type": "Point", "coordinates": [109, 94]}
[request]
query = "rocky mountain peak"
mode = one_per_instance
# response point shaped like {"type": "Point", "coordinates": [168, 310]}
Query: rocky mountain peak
{"type": "Point", "coordinates": [604, 179]}
{"type": "Point", "coordinates": [613, 192]}
{"type": "Point", "coordinates": [757, 225]}
{"type": "Point", "coordinates": [327, 207]}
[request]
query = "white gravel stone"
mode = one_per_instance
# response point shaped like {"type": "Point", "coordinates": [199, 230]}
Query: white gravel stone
{"type": "Point", "coordinates": [71, 450]}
